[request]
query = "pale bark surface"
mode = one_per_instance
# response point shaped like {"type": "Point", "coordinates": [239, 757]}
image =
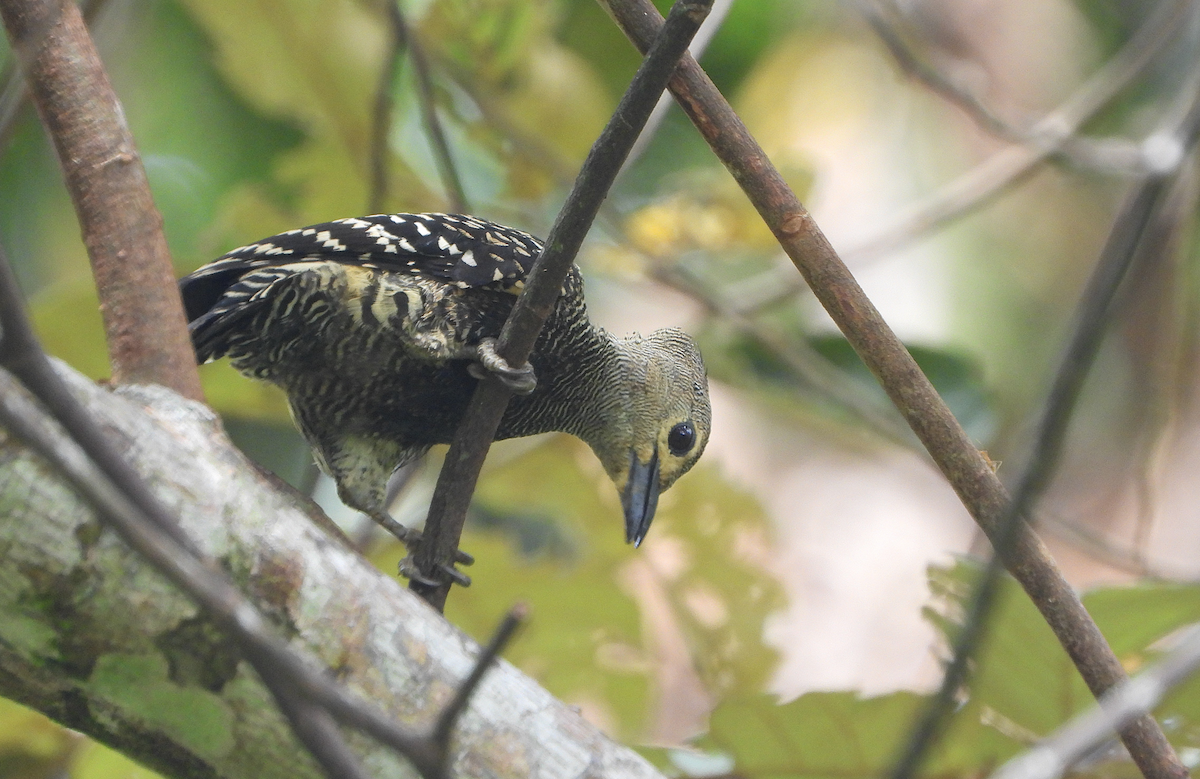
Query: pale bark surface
{"type": "Point", "coordinates": [93, 636]}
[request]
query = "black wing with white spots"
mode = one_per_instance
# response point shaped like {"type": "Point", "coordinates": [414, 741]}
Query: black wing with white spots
{"type": "Point", "coordinates": [461, 250]}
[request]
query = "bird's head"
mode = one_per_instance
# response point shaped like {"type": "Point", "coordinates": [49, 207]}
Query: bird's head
{"type": "Point", "coordinates": [663, 422]}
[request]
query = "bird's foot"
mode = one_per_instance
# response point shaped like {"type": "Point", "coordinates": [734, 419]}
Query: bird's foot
{"type": "Point", "coordinates": [411, 537]}
{"type": "Point", "coordinates": [521, 381]}
{"type": "Point", "coordinates": [409, 570]}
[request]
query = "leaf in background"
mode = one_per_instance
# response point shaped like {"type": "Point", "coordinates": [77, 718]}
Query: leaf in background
{"type": "Point", "coordinates": [956, 377]}
{"type": "Point", "coordinates": [824, 734]}
{"type": "Point", "coordinates": [67, 320]}
{"type": "Point", "coordinates": [506, 54]}
{"type": "Point", "coordinates": [66, 317]}
{"type": "Point", "coordinates": [605, 616]}
{"type": "Point", "coordinates": [748, 31]}
{"type": "Point", "coordinates": [198, 138]}
{"type": "Point", "coordinates": [1023, 687]}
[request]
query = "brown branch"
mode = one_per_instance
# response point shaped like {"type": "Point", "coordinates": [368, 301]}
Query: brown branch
{"type": "Point", "coordinates": [968, 472]}
{"type": "Point", "coordinates": [143, 317]}
{"type": "Point", "coordinates": [1126, 245]}
{"type": "Point", "coordinates": [460, 472]}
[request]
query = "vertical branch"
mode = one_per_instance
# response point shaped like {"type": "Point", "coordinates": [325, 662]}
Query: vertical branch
{"type": "Point", "coordinates": [460, 472]}
{"type": "Point", "coordinates": [143, 317]}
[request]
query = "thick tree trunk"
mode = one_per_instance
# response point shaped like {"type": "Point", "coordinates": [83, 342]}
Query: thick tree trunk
{"type": "Point", "coordinates": [93, 636]}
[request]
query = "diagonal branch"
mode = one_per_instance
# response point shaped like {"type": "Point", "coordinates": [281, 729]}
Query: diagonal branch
{"type": "Point", "coordinates": [968, 472]}
{"type": "Point", "coordinates": [456, 482]}
{"type": "Point", "coordinates": [1124, 247]}
{"type": "Point", "coordinates": [143, 317]}
{"type": "Point", "coordinates": [1074, 741]}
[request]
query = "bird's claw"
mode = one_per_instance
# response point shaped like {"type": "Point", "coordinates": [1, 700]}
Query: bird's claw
{"type": "Point", "coordinates": [521, 381]}
{"type": "Point", "coordinates": [408, 569]}
{"type": "Point", "coordinates": [411, 537]}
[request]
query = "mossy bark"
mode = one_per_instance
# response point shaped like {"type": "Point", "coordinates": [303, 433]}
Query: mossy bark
{"type": "Point", "coordinates": [96, 638]}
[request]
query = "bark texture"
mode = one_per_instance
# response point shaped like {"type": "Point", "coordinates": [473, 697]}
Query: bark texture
{"type": "Point", "coordinates": [96, 638]}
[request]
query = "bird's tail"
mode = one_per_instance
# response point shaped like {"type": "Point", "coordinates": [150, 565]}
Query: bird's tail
{"type": "Point", "coordinates": [219, 297]}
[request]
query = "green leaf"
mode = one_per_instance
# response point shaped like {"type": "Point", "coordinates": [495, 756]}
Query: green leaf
{"type": "Point", "coordinates": [956, 377]}
{"type": "Point", "coordinates": [1024, 686]}
{"type": "Point", "coordinates": [164, 72]}
{"type": "Point", "coordinates": [830, 734]}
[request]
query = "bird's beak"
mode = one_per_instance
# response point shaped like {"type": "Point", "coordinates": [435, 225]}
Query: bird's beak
{"type": "Point", "coordinates": [640, 498]}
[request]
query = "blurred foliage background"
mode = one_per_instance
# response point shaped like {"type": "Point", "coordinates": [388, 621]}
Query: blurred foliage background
{"type": "Point", "coordinates": [789, 608]}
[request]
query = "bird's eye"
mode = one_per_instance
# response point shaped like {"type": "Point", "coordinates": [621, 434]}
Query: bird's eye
{"type": "Point", "coordinates": [681, 438]}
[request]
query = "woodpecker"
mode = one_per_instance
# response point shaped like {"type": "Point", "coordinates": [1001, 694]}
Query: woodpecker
{"type": "Point", "coordinates": [377, 329]}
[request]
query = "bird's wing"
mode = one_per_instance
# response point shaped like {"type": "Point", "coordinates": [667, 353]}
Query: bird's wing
{"type": "Point", "coordinates": [464, 251]}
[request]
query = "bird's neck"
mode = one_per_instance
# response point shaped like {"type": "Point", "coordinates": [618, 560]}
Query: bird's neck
{"type": "Point", "coordinates": [581, 389]}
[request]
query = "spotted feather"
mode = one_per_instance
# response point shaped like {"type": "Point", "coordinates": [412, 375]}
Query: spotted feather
{"type": "Point", "coordinates": [465, 251]}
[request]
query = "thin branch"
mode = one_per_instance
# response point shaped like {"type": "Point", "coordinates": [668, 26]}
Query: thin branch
{"type": "Point", "coordinates": [1124, 703]}
{"type": "Point", "coordinates": [1093, 314]}
{"type": "Point", "coordinates": [313, 726]}
{"type": "Point", "coordinates": [1046, 137]}
{"type": "Point", "coordinates": [1104, 154]}
{"type": "Point", "coordinates": [456, 482]}
{"type": "Point", "coordinates": [1005, 168]}
{"type": "Point", "coordinates": [952, 91]}
{"type": "Point", "coordinates": [143, 317]}
{"type": "Point", "coordinates": [1131, 239]}
{"type": "Point", "coordinates": [400, 36]}
{"type": "Point", "coordinates": [968, 472]}
{"type": "Point", "coordinates": [504, 633]}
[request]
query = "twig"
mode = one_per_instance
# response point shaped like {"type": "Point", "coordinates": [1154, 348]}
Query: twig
{"type": "Point", "coordinates": [400, 36]}
{"type": "Point", "coordinates": [456, 482]}
{"type": "Point", "coordinates": [1132, 699]}
{"type": "Point", "coordinates": [934, 79]}
{"type": "Point", "coordinates": [1010, 166]}
{"type": "Point", "coordinates": [102, 477]}
{"type": "Point", "coordinates": [968, 472]}
{"type": "Point", "coordinates": [504, 633]}
{"type": "Point", "coordinates": [1123, 248]}
{"type": "Point", "coordinates": [1046, 136]}
{"type": "Point", "coordinates": [143, 317]}
{"type": "Point", "coordinates": [1105, 154]}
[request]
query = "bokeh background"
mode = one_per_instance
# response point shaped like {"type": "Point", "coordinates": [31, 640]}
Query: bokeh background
{"type": "Point", "coordinates": [792, 598]}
